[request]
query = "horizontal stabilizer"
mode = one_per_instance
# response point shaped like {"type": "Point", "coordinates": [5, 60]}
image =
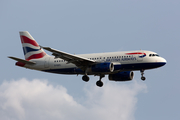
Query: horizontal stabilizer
{"type": "Point", "coordinates": [22, 61]}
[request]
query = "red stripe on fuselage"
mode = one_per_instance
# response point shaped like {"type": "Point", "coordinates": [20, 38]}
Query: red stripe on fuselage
{"type": "Point", "coordinates": [136, 53]}
{"type": "Point", "coordinates": [25, 39]}
{"type": "Point", "coordinates": [36, 56]}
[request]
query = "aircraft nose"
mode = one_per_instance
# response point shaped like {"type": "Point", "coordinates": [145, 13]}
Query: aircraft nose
{"type": "Point", "coordinates": [163, 61]}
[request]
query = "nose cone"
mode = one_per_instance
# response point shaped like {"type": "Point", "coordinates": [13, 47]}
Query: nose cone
{"type": "Point", "coordinates": [162, 61]}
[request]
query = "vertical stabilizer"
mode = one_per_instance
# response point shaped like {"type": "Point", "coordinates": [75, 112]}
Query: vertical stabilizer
{"type": "Point", "coordinates": [31, 48]}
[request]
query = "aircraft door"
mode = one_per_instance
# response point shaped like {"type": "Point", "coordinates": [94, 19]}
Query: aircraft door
{"type": "Point", "coordinates": [140, 57]}
{"type": "Point", "coordinates": [46, 63]}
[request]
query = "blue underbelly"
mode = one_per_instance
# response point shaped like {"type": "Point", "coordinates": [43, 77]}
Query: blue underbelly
{"type": "Point", "coordinates": [124, 67]}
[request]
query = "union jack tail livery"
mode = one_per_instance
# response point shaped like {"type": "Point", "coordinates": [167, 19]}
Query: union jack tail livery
{"type": "Point", "coordinates": [30, 47]}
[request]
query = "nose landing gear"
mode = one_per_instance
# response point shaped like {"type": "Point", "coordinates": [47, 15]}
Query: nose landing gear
{"type": "Point", "coordinates": [142, 73]}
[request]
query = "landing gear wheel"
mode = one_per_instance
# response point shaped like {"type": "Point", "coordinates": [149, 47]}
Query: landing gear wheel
{"type": "Point", "coordinates": [143, 78]}
{"type": "Point", "coordinates": [142, 73]}
{"type": "Point", "coordinates": [99, 83]}
{"type": "Point", "coordinates": [85, 78]}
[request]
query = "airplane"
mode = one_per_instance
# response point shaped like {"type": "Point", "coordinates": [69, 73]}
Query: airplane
{"type": "Point", "coordinates": [119, 66]}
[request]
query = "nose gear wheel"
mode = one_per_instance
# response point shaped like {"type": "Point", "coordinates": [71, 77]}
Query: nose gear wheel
{"type": "Point", "coordinates": [142, 73]}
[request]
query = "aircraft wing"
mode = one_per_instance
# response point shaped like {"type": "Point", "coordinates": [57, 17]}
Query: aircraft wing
{"type": "Point", "coordinates": [79, 61]}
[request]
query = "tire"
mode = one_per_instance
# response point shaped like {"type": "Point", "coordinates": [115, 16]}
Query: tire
{"type": "Point", "coordinates": [99, 83]}
{"type": "Point", "coordinates": [85, 78]}
{"type": "Point", "coordinates": [143, 78]}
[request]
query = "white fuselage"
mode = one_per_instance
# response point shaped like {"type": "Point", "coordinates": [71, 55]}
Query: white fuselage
{"type": "Point", "coordinates": [121, 60]}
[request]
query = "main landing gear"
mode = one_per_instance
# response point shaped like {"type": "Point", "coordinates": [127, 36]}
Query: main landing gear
{"type": "Point", "coordinates": [142, 73]}
{"type": "Point", "coordinates": [99, 83]}
{"type": "Point", "coordinates": [85, 78]}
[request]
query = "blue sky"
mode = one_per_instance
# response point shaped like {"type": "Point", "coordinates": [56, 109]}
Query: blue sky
{"type": "Point", "coordinates": [77, 26]}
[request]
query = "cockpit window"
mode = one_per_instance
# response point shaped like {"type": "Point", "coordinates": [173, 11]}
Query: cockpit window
{"type": "Point", "coordinates": [152, 55]}
{"type": "Point", "coordinates": [157, 55]}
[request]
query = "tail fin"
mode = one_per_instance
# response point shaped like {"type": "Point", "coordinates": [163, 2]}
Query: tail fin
{"type": "Point", "coordinates": [31, 48]}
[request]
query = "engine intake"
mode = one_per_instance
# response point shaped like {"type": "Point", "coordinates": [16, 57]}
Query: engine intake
{"type": "Point", "coordinates": [102, 67]}
{"type": "Point", "coordinates": [122, 76]}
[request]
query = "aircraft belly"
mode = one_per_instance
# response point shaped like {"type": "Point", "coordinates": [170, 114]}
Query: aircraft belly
{"type": "Point", "coordinates": [139, 66]}
{"type": "Point", "coordinates": [73, 70]}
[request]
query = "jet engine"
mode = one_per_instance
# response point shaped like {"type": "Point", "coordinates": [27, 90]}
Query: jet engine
{"type": "Point", "coordinates": [121, 76]}
{"type": "Point", "coordinates": [102, 67]}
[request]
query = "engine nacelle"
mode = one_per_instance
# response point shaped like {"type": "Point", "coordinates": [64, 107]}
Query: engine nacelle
{"type": "Point", "coordinates": [122, 76]}
{"type": "Point", "coordinates": [102, 67]}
